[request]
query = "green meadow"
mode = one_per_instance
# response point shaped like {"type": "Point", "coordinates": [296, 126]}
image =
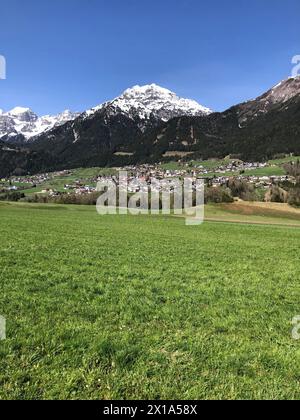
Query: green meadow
{"type": "Point", "coordinates": [275, 168]}
{"type": "Point", "coordinates": [121, 307]}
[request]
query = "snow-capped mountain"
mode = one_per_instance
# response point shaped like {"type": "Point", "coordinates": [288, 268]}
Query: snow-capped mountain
{"type": "Point", "coordinates": [24, 122]}
{"type": "Point", "coordinates": [145, 102]}
{"type": "Point", "coordinates": [152, 101]}
{"type": "Point", "coordinates": [141, 127]}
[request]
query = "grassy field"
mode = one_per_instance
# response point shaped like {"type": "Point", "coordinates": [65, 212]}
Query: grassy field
{"type": "Point", "coordinates": [145, 307]}
{"type": "Point", "coordinates": [254, 213]}
{"type": "Point", "coordinates": [275, 168]}
{"type": "Point", "coordinates": [58, 182]}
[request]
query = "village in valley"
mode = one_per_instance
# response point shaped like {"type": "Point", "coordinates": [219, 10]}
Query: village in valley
{"type": "Point", "coordinates": [215, 174]}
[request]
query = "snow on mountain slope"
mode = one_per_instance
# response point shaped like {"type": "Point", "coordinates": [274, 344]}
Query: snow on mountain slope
{"type": "Point", "coordinates": [145, 102]}
{"type": "Point", "coordinates": [155, 101]}
{"type": "Point", "coordinates": [23, 121]}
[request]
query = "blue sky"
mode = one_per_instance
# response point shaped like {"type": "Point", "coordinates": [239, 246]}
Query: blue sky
{"type": "Point", "coordinates": [76, 54]}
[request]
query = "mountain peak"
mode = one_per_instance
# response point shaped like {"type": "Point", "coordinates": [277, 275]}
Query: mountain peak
{"type": "Point", "coordinates": [23, 121]}
{"type": "Point", "coordinates": [285, 90]}
{"type": "Point", "coordinates": [275, 98]}
{"type": "Point", "coordinates": [151, 101]}
{"type": "Point", "coordinates": [157, 101]}
{"type": "Point", "coordinates": [147, 89]}
{"type": "Point", "coordinates": [19, 110]}
{"type": "Point", "coordinates": [22, 115]}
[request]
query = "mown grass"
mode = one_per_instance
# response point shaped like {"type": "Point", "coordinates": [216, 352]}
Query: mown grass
{"type": "Point", "coordinates": [145, 307]}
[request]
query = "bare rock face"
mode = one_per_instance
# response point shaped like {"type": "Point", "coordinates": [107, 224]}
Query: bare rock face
{"type": "Point", "coordinates": [275, 98]}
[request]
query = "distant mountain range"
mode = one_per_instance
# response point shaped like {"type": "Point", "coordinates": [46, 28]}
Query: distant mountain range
{"type": "Point", "coordinates": [150, 124]}
{"type": "Point", "coordinates": [146, 102]}
{"type": "Point", "coordinates": [22, 124]}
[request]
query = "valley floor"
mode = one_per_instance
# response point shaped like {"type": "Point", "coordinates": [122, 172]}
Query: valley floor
{"type": "Point", "coordinates": [254, 213]}
{"type": "Point", "coordinates": [144, 307]}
